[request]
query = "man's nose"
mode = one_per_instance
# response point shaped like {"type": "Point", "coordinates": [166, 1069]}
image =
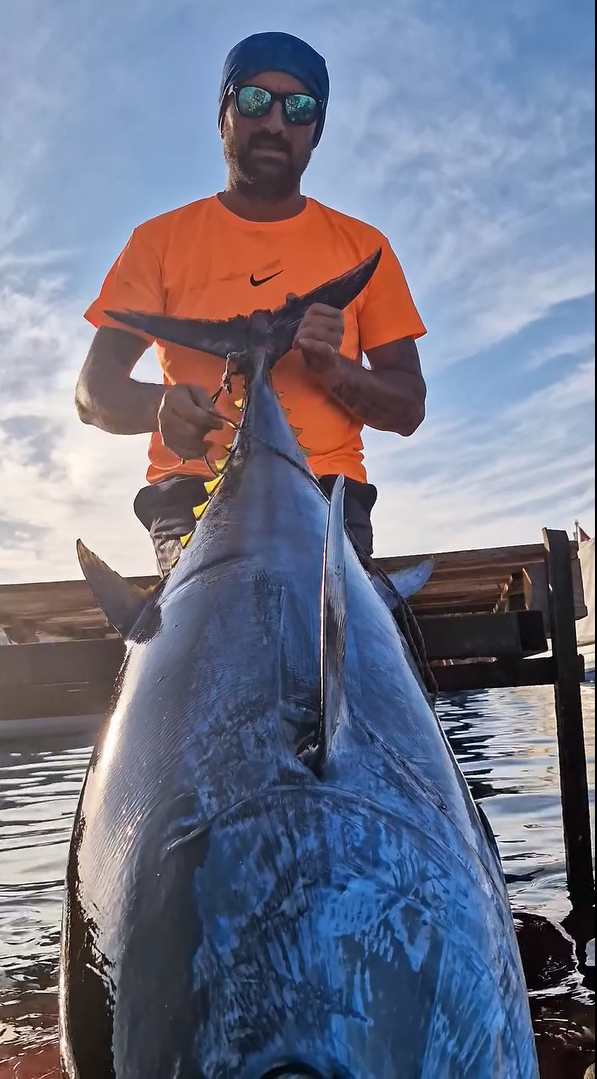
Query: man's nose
{"type": "Point", "coordinates": [274, 121]}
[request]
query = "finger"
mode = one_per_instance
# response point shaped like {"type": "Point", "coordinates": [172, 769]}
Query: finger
{"type": "Point", "coordinates": [319, 349]}
{"type": "Point", "coordinates": [306, 338]}
{"type": "Point", "coordinates": [180, 430]}
{"type": "Point", "coordinates": [184, 409]}
{"type": "Point", "coordinates": [192, 451]}
{"type": "Point", "coordinates": [322, 310]}
{"type": "Point", "coordinates": [321, 334]}
{"type": "Point", "coordinates": [317, 326]}
{"type": "Point", "coordinates": [192, 413]}
{"type": "Point", "coordinates": [200, 397]}
{"type": "Point", "coordinates": [323, 321]}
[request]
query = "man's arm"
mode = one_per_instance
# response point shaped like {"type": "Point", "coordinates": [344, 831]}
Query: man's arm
{"type": "Point", "coordinates": [106, 396]}
{"type": "Point", "coordinates": [390, 396]}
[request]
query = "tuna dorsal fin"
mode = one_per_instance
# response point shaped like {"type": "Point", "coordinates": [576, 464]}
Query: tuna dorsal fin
{"type": "Point", "coordinates": [121, 601]}
{"type": "Point", "coordinates": [333, 631]}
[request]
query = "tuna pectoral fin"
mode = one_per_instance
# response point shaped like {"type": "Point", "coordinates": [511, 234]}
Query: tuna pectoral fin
{"type": "Point", "coordinates": [121, 601]}
{"type": "Point", "coordinates": [333, 631]}
{"type": "Point", "coordinates": [403, 584]}
{"type": "Point", "coordinates": [411, 580]}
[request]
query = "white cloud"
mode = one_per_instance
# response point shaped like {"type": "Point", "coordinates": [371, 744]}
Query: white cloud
{"type": "Point", "coordinates": [572, 345]}
{"type": "Point", "coordinates": [484, 184]}
{"type": "Point", "coordinates": [468, 484]}
{"type": "Point", "coordinates": [58, 478]}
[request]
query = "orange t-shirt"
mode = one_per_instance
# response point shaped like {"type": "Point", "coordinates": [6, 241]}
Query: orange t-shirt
{"type": "Point", "coordinates": [198, 261]}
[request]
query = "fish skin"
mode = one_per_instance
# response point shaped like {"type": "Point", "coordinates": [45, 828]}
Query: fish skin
{"type": "Point", "coordinates": [229, 910]}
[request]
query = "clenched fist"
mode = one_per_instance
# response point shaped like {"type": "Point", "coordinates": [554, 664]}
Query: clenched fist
{"type": "Point", "coordinates": [185, 416]}
{"type": "Point", "coordinates": [319, 336]}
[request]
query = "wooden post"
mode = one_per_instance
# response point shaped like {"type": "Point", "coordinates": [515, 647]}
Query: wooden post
{"type": "Point", "coordinates": [569, 721]}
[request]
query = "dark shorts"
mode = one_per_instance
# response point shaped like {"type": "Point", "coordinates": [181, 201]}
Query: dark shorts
{"type": "Point", "coordinates": [166, 510]}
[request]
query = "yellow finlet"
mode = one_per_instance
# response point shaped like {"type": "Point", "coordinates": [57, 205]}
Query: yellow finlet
{"type": "Point", "coordinates": [185, 539]}
{"type": "Point", "coordinates": [198, 511]}
{"type": "Point", "coordinates": [211, 485]}
{"type": "Point", "coordinates": [240, 403]}
{"type": "Point", "coordinates": [220, 464]}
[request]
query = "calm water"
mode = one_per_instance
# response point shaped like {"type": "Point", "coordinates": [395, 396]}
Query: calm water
{"type": "Point", "coordinates": [505, 743]}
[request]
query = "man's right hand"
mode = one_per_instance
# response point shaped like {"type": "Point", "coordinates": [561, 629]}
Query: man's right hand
{"type": "Point", "coordinates": [185, 417]}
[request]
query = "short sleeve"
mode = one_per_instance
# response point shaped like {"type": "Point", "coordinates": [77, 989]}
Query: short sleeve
{"type": "Point", "coordinates": [134, 283]}
{"type": "Point", "coordinates": [388, 312]}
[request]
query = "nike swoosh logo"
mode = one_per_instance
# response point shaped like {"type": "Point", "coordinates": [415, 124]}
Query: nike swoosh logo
{"type": "Point", "coordinates": [263, 280]}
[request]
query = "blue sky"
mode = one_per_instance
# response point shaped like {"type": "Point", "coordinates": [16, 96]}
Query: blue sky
{"type": "Point", "coordinates": [464, 131]}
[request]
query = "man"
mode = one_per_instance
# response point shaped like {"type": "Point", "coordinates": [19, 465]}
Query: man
{"type": "Point", "coordinates": [249, 247]}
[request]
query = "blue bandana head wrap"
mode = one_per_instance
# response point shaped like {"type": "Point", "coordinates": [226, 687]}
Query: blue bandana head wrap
{"type": "Point", "coordinates": [277, 52]}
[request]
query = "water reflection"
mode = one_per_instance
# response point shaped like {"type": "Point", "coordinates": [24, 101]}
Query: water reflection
{"type": "Point", "coordinates": [505, 743]}
{"type": "Point", "coordinates": [506, 746]}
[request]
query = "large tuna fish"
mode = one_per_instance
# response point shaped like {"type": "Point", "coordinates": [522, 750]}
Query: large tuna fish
{"type": "Point", "coordinates": [276, 867]}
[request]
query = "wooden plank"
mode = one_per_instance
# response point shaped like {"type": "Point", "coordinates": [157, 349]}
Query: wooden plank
{"type": "Point", "coordinates": [463, 605]}
{"type": "Point", "coordinates": [34, 598]}
{"type": "Point", "coordinates": [569, 722]}
{"type": "Point", "coordinates": [75, 699]}
{"type": "Point", "coordinates": [64, 598]}
{"type": "Point", "coordinates": [61, 662]}
{"type": "Point", "coordinates": [54, 605]}
{"type": "Point", "coordinates": [461, 581]}
{"type": "Point", "coordinates": [452, 637]}
{"type": "Point", "coordinates": [470, 636]}
{"type": "Point", "coordinates": [536, 591]}
{"type": "Point", "coordinates": [452, 570]}
{"type": "Point", "coordinates": [509, 558]}
{"type": "Point", "coordinates": [442, 589]}
{"type": "Point", "coordinates": [512, 596]}
{"type": "Point", "coordinates": [501, 674]}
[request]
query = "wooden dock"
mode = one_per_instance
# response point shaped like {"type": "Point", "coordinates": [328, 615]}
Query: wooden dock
{"type": "Point", "coordinates": [485, 616]}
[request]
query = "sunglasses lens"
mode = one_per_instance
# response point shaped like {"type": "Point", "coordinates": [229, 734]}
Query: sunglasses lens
{"type": "Point", "coordinates": [253, 101]}
{"type": "Point", "coordinates": [300, 108]}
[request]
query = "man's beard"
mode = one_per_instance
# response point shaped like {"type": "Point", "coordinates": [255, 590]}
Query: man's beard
{"type": "Point", "coordinates": [269, 181]}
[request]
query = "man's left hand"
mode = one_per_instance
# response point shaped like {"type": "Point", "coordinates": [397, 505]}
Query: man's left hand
{"type": "Point", "coordinates": [319, 336]}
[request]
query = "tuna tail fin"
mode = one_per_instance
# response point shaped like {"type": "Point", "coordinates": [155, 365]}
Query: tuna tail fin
{"type": "Point", "coordinates": [333, 632]}
{"type": "Point", "coordinates": [216, 338]}
{"type": "Point", "coordinates": [338, 293]}
{"type": "Point", "coordinates": [237, 335]}
{"type": "Point", "coordinates": [121, 601]}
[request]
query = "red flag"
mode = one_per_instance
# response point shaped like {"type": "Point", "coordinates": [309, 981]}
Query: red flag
{"type": "Point", "coordinates": [582, 535]}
